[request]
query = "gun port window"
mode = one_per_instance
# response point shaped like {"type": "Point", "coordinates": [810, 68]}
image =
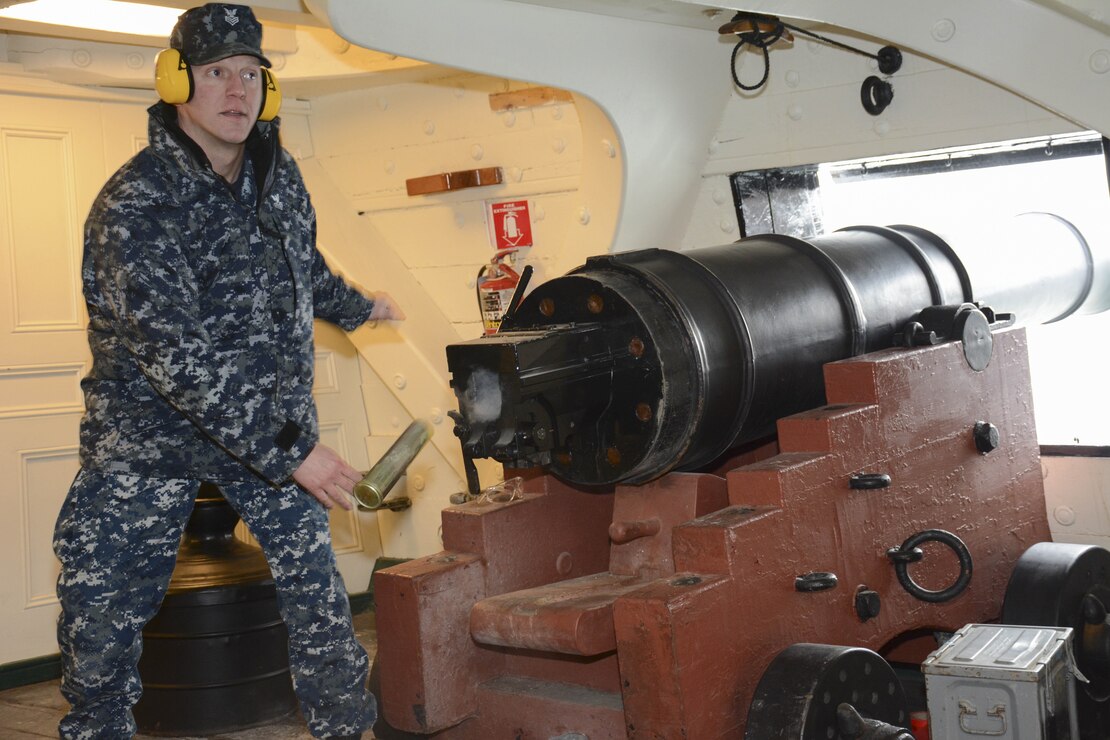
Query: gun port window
{"type": "Point", "coordinates": [966, 190]}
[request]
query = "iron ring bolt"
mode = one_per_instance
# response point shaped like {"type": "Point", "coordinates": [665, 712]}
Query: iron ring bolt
{"type": "Point", "coordinates": [909, 552]}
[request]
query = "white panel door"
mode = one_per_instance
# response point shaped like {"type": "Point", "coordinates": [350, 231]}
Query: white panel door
{"type": "Point", "coordinates": [52, 164]}
{"type": "Point", "coordinates": [344, 428]}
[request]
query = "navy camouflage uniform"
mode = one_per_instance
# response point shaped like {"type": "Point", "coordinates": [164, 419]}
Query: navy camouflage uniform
{"type": "Point", "coordinates": [201, 298]}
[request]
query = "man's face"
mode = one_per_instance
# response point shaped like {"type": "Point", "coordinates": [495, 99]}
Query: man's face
{"type": "Point", "coordinates": [227, 97]}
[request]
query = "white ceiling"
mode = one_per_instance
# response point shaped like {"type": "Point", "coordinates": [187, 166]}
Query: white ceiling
{"type": "Point", "coordinates": [313, 60]}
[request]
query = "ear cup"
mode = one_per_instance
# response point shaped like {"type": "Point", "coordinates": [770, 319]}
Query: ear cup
{"type": "Point", "coordinates": [271, 96]}
{"type": "Point", "coordinates": [173, 80]}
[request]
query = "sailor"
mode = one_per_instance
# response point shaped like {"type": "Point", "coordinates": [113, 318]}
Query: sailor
{"type": "Point", "coordinates": [202, 280]}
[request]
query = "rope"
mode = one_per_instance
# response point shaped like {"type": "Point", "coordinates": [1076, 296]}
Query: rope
{"type": "Point", "coordinates": [832, 42]}
{"type": "Point", "coordinates": [889, 58]}
{"type": "Point", "coordinates": [760, 40]}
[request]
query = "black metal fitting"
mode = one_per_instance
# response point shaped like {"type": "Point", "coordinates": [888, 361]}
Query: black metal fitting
{"type": "Point", "coordinates": [914, 334]}
{"type": "Point", "coordinates": [868, 481]}
{"type": "Point", "coordinates": [868, 604]}
{"type": "Point", "coordinates": [818, 581]}
{"type": "Point", "coordinates": [1094, 611]}
{"type": "Point", "coordinates": [462, 429]}
{"type": "Point", "coordinates": [987, 437]}
{"type": "Point", "coordinates": [903, 555]}
{"type": "Point", "coordinates": [876, 95]}
{"type": "Point", "coordinates": [889, 59]}
{"type": "Point", "coordinates": [971, 323]}
{"type": "Point", "coordinates": [854, 726]}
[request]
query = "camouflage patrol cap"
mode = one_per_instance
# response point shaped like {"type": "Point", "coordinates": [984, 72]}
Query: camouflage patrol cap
{"type": "Point", "coordinates": [217, 31]}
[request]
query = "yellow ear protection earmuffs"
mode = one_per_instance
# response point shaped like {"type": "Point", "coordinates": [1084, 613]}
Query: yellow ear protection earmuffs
{"type": "Point", "coordinates": [173, 80]}
{"type": "Point", "coordinates": [271, 96]}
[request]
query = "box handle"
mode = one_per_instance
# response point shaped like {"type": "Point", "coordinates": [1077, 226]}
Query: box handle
{"type": "Point", "coordinates": [967, 710]}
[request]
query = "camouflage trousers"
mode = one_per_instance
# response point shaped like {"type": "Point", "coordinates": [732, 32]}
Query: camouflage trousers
{"type": "Point", "coordinates": [117, 538]}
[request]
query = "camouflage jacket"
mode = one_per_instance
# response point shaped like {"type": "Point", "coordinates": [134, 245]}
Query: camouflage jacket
{"type": "Point", "coordinates": [201, 297]}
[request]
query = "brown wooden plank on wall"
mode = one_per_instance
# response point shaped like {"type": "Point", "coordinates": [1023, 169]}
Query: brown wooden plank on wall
{"type": "Point", "coordinates": [459, 180]}
{"type": "Point", "coordinates": [528, 98]}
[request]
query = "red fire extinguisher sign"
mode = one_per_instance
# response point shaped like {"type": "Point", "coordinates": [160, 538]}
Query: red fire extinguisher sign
{"type": "Point", "coordinates": [510, 225]}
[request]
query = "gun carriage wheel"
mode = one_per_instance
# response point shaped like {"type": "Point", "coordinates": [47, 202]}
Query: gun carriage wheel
{"type": "Point", "coordinates": [815, 692]}
{"type": "Point", "coordinates": [1055, 584]}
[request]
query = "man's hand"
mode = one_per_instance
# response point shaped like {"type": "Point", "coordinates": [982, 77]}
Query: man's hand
{"type": "Point", "coordinates": [327, 477]}
{"type": "Point", "coordinates": [385, 307]}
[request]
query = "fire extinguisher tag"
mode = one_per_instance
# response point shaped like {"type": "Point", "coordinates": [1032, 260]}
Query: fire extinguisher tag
{"type": "Point", "coordinates": [495, 291]}
{"type": "Point", "coordinates": [494, 304]}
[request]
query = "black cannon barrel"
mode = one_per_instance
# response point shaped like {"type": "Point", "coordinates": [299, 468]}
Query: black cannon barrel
{"type": "Point", "coordinates": [642, 362]}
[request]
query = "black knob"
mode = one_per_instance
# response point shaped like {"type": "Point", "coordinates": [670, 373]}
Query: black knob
{"type": "Point", "coordinates": [986, 437]}
{"type": "Point", "coordinates": [868, 604]}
